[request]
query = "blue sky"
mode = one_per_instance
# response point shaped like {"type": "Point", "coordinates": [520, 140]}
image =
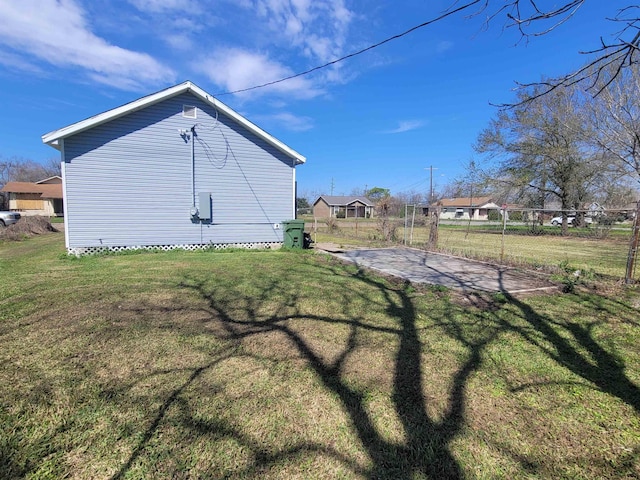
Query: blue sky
{"type": "Point", "coordinates": [379, 119]}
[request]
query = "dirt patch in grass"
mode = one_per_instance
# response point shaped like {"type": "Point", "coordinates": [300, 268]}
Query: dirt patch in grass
{"type": "Point", "coordinates": [27, 227]}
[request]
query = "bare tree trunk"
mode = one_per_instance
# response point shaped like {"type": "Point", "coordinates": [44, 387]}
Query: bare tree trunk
{"type": "Point", "coordinates": [633, 246]}
{"type": "Point", "coordinates": [433, 229]}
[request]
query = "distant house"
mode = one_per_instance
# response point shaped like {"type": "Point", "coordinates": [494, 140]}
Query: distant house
{"type": "Point", "coordinates": [630, 210]}
{"type": "Point", "coordinates": [465, 208]}
{"type": "Point", "coordinates": [343, 207]}
{"type": "Point", "coordinates": [36, 198]}
{"type": "Point", "coordinates": [175, 169]}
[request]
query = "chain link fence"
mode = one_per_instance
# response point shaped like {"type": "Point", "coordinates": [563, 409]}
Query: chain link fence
{"type": "Point", "coordinates": [588, 243]}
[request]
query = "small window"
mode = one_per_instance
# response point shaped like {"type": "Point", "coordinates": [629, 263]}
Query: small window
{"type": "Point", "coordinates": [189, 111]}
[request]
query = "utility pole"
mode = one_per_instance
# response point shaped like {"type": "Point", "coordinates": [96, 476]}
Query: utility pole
{"type": "Point", "coordinates": [430, 184]}
{"type": "Point", "coordinates": [332, 185]}
{"type": "Point", "coordinates": [431, 169]}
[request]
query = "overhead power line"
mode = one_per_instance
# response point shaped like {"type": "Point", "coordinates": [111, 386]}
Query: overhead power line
{"type": "Point", "coordinates": [370, 47]}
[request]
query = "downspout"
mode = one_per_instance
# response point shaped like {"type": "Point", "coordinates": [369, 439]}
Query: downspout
{"type": "Point", "coordinates": [295, 189]}
{"type": "Point", "coordinates": [193, 169]}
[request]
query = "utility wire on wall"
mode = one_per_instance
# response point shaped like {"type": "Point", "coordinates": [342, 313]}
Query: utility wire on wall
{"type": "Point", "coordinates": [214, 161]}
{"type": "Point", "coordinates": [207, 149]}
{"type": "Point", "coordinates": [370, 47]}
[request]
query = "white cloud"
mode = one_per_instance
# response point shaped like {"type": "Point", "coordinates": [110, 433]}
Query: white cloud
{"type": "Point", "coordinates": [56, 32]}
{"type": "Point", "coordinates": [179, 42]}
{"type": "Point", "coordinates": [293, 122]}
{"type": "Point", "coordinates": [16, 62]}
{"type": "Point", "coordinates": [235, 69]}
{"type": "Point", "coordinates": [318, 27]}
{"type": "Point", "coordinates": [157, 6]}
{"type": "Point", "coordinates": [315, 29]}
{"type": "Point", "coordinates": [178, 23]}
{"type": "Point", "coordinates": [406, 125]}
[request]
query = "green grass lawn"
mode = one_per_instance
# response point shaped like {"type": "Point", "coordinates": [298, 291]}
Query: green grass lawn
{"type": "Point", "coordinates": [282, 364]}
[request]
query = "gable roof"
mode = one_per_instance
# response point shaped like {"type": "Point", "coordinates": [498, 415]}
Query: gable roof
{"type": "Point", "coordinates": [46, 190]}
{"type": "Point", "coordinates": [53, 138]}
{"type": "Point", "coordinates": [466, 201]}
{"type": "Point", "coordinates": [344, 200]}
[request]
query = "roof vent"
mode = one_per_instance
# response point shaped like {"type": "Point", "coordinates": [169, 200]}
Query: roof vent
{"type": "Point", "coordinates": [189, 111]}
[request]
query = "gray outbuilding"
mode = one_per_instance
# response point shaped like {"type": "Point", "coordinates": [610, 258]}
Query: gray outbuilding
{"type": "Point", "coordinates": [175, 169]}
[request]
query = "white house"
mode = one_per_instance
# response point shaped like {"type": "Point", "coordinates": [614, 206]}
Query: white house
{"type": "Point", "coordinates": [465, 208]}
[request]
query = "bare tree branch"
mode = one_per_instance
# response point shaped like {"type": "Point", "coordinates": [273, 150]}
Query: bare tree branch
{"type": "Point", "coordinates": [531, 19]}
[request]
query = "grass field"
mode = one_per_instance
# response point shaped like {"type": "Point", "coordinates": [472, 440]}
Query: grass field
{"type": "Point", "coordinates": [582, 249]}
{"type": "Point", "coordinates": [280, 364]}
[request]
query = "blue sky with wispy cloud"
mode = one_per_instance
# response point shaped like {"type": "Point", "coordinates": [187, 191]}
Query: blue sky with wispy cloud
{"type": "Point", "coordinates": [406, 126]}
{"type": "Point", "coordinates": [377, 119]}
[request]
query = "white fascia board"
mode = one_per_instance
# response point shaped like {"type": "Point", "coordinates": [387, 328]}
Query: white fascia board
{"type": "Point", "coordinates": [53, 138]}
{"type": "Point", "coordinates": [50, 178]}
{"type": "Point", "coordinates": [364, 202]}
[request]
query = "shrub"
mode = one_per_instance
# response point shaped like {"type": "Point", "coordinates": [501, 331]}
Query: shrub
{"type": "Point", "coordinates": [515, 216]}
{"type": "Point", "coordinates": [332, 225]}
{"type": "Point", "coordinates": [388, 228]}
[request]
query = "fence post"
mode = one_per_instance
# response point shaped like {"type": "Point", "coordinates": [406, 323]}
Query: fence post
{"type": "Point", "coordinates": [413, 221]}
{"type": "Point", "coordinates": [633, 246]}
{"type": "Point", "coordinates": [356, 223]}
{"type": "Point", "coordinates": [504, 229]}
{"type": "Point", "coordinates": [315, 229]}
{"type": "Point", "coordinates": [404, 237]}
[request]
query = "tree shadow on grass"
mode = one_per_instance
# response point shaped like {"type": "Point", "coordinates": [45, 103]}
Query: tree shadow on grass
{"type": "Point", "coordinates": [275, 305]}
{"type": "Point", "coordinates": [162, 411]}
{"type": "Point", "coordinates": [238, 317]}
{"type": "Point", "coordinates": [426, 450]}
{"type": "Point", "coordinates": [572, 344]}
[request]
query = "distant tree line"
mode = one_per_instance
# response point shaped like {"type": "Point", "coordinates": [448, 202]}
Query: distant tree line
{"type": "Point", "coordinates": [566, 146]}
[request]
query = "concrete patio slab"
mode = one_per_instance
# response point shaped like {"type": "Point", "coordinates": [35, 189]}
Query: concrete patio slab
{"type": "Point", "coordinates": [458, 273]}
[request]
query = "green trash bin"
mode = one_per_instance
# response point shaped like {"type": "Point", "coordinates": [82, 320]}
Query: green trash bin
{"type": "Point", "coordinates": [293, 233]}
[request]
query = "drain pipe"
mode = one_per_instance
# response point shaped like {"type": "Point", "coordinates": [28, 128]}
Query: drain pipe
{"type": "Point", "coordinates": [194, 210]}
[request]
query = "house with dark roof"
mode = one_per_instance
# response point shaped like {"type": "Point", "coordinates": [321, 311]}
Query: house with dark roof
{"type": "Point", "coordinates": [327, 206]}
{"type": "Point", "coordinates": [36, 198]}
{"type": "Point", "coordinates": [465, 208]}
{"type": "Point", "coordinates": [174, 169]}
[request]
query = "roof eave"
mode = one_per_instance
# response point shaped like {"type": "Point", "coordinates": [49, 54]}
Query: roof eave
{"type": "Point", "coordinates": [41, 182]}
{"type": "Point", "coordinates": [299, 159]}
{"type": "Point", "coordinates": [53, 138]}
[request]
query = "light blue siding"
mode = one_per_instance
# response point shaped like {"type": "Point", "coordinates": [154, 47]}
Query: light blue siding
{"type": "Point", "coordinates": [128, 181]}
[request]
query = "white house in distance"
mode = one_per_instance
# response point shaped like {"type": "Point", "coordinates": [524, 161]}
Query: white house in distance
{"type": "Point", "coordinates": [175, 169]}
{"type": "Point", "coordinates": [465, 208]}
